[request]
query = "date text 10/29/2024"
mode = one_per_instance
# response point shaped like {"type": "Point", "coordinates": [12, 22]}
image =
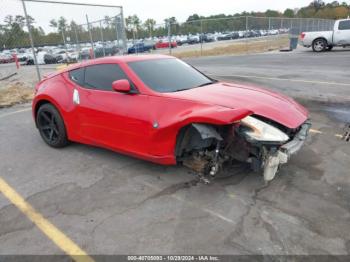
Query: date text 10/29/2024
{"type": "Point", "coordinates": [173, 258]}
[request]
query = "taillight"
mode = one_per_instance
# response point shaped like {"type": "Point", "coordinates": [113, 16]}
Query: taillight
{"type": "Point", "coordinates": [302, 35]}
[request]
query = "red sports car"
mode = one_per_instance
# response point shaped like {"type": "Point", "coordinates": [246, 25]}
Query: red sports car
{"type": "Point", "coordinates": [161, 109]}
{"type": "Point", "coordinates": [165, 44]}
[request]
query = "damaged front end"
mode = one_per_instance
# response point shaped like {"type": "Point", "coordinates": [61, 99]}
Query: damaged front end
{"type": "Point", "coordinates": [264, 144]}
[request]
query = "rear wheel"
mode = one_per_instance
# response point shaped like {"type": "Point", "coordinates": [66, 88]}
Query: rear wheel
{"type": "Point", "coordinates": [319, 45]}
{"type": "Point", "coordinates": [51, 126]}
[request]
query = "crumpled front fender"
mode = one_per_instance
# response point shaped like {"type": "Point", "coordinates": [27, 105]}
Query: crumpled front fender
{"type": "Point", "coordinates": [165, 135]}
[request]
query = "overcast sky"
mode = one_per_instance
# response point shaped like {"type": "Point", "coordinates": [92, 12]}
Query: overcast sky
{"type": "Point", "coordinates": [156, 9]}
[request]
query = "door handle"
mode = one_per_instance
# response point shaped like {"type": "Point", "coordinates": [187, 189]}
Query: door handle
{"type": "Point", "coordinates": [76, 98]}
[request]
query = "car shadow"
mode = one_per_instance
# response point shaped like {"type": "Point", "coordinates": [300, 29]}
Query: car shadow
{"type": "Point", "coordinates": [231, 175]}
{"type": "Point", "coordinates": [334, 50]}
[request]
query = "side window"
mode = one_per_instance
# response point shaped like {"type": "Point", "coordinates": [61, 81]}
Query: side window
{"type": "Point", "coordinates": [344, 25]}
{"type": "Point", "coordinates": [77, 76]}
{"type": "Point", "coordinates": [102, 76]}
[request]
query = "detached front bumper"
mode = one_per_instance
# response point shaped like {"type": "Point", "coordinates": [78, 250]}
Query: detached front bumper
{"type": "Point", "coordinates": [284, 153]}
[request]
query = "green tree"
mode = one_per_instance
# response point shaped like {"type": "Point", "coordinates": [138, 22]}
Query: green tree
{"type": "Point", "coordinates": [133, 25]}
{"type": "Point", "coordinates": [171, 20]}
{"type": "Point", "coordinates": [12, 33]}
{"type": "Point", "coordinates": [149, 25]}
{"type": "Point", "coordinates": [62, 24]}
{"type": "Point", "coordinates": [53, 23]}
{"type": "Point", "coordinates": [288, 13]}
{"type": "Point", "coordinates": [193, 17]}
{"type": "Point", "coordinates": [272, 13]}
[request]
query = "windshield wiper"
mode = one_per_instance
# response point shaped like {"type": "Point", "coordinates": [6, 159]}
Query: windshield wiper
{"type": "Point", "coordinates": [206, 84]}
{"type": "Point", "coordinates": [178, 90]}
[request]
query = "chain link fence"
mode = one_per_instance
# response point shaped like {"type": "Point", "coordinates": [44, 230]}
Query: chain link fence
{"type": "Point", "coordinates": [221, 36]}
{"type": "Point", "coordinates": [41, 33]}
{"type": "Point", "coordinates": [62, 32]}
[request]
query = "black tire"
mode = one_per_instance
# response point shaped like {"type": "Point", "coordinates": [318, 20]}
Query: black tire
{"type": "Point", "coordinates": [329, 48]}
{"type": "Point", "coordinates": [51, 126]}
{"type": "Point", "coordinates": [319, 45]}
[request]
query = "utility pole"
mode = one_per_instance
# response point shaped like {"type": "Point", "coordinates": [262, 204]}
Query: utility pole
{"type": "Point", "coordinates": [91, 41]}
{"type": "Point", "coordinates": [169, 35]}
{"type": "Point", "coordinates": [103, 44]}
{"type": "Point", "coordinates": [31, 40]}
{"type": "Point", "coordinates": [123, 30]}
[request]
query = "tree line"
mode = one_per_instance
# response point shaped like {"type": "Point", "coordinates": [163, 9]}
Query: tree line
{"type": "Point", "coordinates": [13, 29]}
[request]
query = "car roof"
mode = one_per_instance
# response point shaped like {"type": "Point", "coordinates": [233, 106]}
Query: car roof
{"type": "Point", "coordinates": [107, 60]}
{"type": "Point", "coordinates": [115, 60]}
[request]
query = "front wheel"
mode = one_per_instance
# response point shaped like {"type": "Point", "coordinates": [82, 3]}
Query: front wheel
{"type": "Point", "coordinates": [319, 45]}
{"type": "Point", "coordinates": [51, 126]}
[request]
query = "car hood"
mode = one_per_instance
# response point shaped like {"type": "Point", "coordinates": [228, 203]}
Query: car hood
{"type": "Point", "coordinates": [271, 105]}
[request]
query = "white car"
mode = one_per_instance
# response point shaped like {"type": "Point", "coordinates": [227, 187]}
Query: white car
{"type": "Point", "coordinates": [273, 32]}
{"type": "Point", "coordinates": [326, 40]}
{"type": "Point", "coordinates": [40, 57]}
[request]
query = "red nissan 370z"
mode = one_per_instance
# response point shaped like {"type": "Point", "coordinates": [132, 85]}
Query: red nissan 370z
{"type": "Point", "coordinates": [161, 109]}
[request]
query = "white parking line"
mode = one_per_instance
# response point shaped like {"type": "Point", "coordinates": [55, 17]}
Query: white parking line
{"type": "Point", "coordinates": [283, 79]}
{"type": "Point", "coordinates": [15, 112]}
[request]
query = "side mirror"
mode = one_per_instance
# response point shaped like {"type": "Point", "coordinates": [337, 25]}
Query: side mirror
{"type": "Point", "coordinates": [122, 85]}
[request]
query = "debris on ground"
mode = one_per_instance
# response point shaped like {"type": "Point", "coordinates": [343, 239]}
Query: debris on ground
{"type": "Point", "coordinates": [15, 93]}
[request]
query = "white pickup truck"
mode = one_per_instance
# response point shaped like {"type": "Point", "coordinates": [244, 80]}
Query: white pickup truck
{"type": "Point", "coordinates": [326, 40]}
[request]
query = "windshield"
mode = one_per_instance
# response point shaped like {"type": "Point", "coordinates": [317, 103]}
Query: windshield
{"type": "Point", "coordinates": [169, 75]}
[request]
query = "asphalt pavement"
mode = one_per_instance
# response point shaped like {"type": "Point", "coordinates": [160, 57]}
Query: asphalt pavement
{"type": "Point", "coordinates": [302, 73]}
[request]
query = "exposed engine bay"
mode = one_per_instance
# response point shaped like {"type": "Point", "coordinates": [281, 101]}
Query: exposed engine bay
{"type": "Point", "coordinates": [264, 144]}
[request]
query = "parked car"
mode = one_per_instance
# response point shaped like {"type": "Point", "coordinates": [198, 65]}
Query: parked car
{"type": "Point", "coordinates": [256, 33]}
{"type": "Point", "coordinates": [70, 58]}
{"type": "Point", "coordinates": [181, 40]}
{"type": "Point", "coordinates": [137, 105]}
{"type": "Point", "coordinates": [140, 48]}
{"type": "Point", "coordinates": [165, 44]}
{"type": "Point", "coordinates": [241, 34]}
{"type": "Point", "coordinates": [50, 59]}
{"type": "Point", "coordinates": [263, 32]}
{"type": "Point", "coordinates": [6, 58]}
{"type": "Point", "coordinates": [22, 57]}
{"type": "Point", "coordinates": [29, 60]}
{"type": "Point", "coordinates": [326, 40]}
{"type": "Point", "coordinates": [207, 38]}
{"type": "Point", "coordinates": [193, 39]}
{"type": "Point", "coordinates": [234, 35]}
{"type": "Point", "coordinates": [108, 50]}
{"type": "Point", "coordinates": [84, 53]}
{"type": "Point", "coordinates": [248, 34]}
{"type": "Point", "coordinates": [228, 36]}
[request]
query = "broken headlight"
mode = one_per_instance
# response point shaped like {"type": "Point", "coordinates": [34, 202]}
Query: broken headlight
{"type": "Point", "coordinates": [257, 130]}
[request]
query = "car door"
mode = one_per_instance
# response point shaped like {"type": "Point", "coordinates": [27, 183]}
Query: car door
{"type": "Point", "coordinates": [342, 34]}
{"type": "Point", "coordinates": [109, 118]}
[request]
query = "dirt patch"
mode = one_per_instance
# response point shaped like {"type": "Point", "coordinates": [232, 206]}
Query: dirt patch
{"type": "Point", "coordinates": [15, 93]}
{"type": "Point", "coordinates": [248, 47]}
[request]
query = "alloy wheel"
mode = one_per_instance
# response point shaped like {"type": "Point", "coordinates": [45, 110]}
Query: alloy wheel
{"type": "Point", "coordinates": [319, 45]}
{"type": "Point", "coordinates": [47, 125]}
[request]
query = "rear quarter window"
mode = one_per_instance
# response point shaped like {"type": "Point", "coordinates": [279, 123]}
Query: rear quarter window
{"type": "Point", "coordinates": [344, 25]}
{"type": "Point", "coordinates": [77, 76]}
